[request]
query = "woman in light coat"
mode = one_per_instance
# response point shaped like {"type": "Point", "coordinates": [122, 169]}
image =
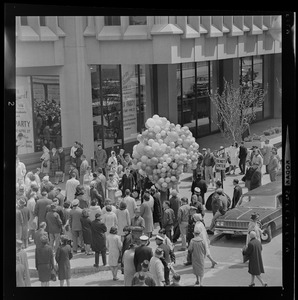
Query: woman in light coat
{"type": "Point", "coordinates": [123, 218]}
{"type": "Point", "coordinates": [233, 153]}
{"type": "Point", "coordinates": [112, 187]}
{"type": "Point", "coordinates": [45, 160]}
{"type": "Point", "coordinates": [156, 267]}
{"type": "Point", "coordinates": [147, 215]}
{"type": "Point", "coordinates": [114, 246]}
{"type": "Point", "coordinates": [128, 264]}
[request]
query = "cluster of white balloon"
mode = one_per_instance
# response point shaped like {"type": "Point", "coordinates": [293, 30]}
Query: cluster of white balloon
{"type": "Point", "coordinates": [164, 149]}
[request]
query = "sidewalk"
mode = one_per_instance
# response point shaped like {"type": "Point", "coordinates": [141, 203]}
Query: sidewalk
{"type": "Point", "coordinates": [83, 264]}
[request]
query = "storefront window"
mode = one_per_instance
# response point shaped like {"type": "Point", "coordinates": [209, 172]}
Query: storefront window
{"type": "Point", "coordinates": [246, 75]}
{"type": "Point", "coordinates": [188, 98]}
{"type": "Point", "coordinates": [137, 20]}
{"type": "Point", "coordinates": [258, 81]}
{"type": "Point", "coordinates": [112, 21]}
{"type": "Point", "coordinates": [203, 104]}
{"type": "Point", "coordinates": [179, 91]}
{"type": "Point", "coordinates": [38, 113]}
{"type": "Point", "coordinates": [143, 109]}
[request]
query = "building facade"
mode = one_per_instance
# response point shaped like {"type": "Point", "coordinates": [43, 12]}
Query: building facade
{"type": "Point", "coordinates": [96, 79]}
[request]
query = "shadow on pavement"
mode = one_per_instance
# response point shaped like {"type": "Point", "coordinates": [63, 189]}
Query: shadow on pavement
{"type": "Point", "coordinates": [106, 283]}
{"type": "Point", "coordinates": [239, 266]}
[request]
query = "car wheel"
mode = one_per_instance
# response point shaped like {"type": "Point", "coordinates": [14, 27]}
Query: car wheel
{"type": "Point", "coordinates": [267, 234]}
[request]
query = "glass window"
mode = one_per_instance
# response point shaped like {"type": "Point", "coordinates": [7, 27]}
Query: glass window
{"type": "Point", "coordinates": [188, 98]}
{"type": "Point", "coordinates": [203, 102]}
{"type": "Point", "coordinates": [42, 21]}
{"type": "Point", "coordinates": [246, 73]}
{"type": "Point", "coordinates": [130, 100]}
{"type": "Point", "coordinates": [144, 111]}
{"type": "Point", "coordinates": [112, 21]}
{"type": "Point", "coordinates": [258, 81]}
{"type": "Point", "coordinates": [179, 91]}
{"type": "Point", "coordinates": [24, 21]}
{"type": "Point", "coordinates": [137, 20]}
{"type": "Point", "coordinates": [47, 112]}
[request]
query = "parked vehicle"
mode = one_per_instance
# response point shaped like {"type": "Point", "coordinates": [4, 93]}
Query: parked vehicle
{"type": "Point", "coordinates": [265, 200]}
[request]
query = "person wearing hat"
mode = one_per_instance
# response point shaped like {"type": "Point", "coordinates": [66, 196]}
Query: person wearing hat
{"type": "Point", "coordinates": [175, 203]}
{"type": "Point", "coordinates": [167, 258]}
{"type": "Point", "coordinates": [273, 165]}
{"type": "Point", "coordinates": [142, 253]}
{"type": "Point", "coordinates": [255, 262]}
{"type": "Point", "coordinates": [46, 184]}
{"type": "Point", "coordinates": [63, 257]}
{"type": "Point", "coordinates": [200, 183]}
{"type": "Point", "coordinates": [197, 250]}
{"type": "Point", "coordinates": [76, 226]}
{"type": "Point", "coordinates": [25, 216]}
{"type": "Point", "coordinates": [196, 200]}
{"type": "Point", "coordinates": [86, 229]}
{"type": "Point", "coordinates": [148, 277]}
{"type": "Point", "coordinates": [156, 267]}
{"type": "Point", "coordinates": [54, 223]}
{"type": "Point", "coordinates": [256, 178]}
{"type": "Point", "coordinates": [98, 243]}
{"type": "Point", "coordinates": [123, 218]}
{"type": "Point", "coordinates": [114, 246]}
{"type": "Point", "coordinates": [20, 171]}
{"type": "Point", "coordinates": [40, 209]}
{"type": "Point", "coordinates": [44, 261]}
{"type": "Point", "coordinates": [45, 161]}
{"type": "Point", "coordinates": [70, 187]}
{"type": "Point", "coordinates": [254, 225]}
{"type": "Point", "coordinates": [73, 169]}
{"type": "Point", "coordinates": [242, 158]}
{"type": "Point", "coordinates": [222, 202]}
{"type": "Point", "coordinates": [266, 152]}
{"type": "Point", "coordinates": [21, 255]}
{"type": "Point", "coordinates": [82, 196]}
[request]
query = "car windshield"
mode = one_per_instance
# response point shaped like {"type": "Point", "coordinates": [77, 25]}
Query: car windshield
{"type": "Point", "coordinates": [257, 201]}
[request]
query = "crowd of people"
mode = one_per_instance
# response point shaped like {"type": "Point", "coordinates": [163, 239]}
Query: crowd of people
{"type": "Point", "coordinates": [99, 215]}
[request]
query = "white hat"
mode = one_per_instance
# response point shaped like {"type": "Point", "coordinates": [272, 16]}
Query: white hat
{"type": "Point", "coordinates": [75, 202]}
{"type": "Point", "coordinates": [160, 238]}
{"type": "Point", "coordinates": [144, 238]}
{"type": "Point", "coordinates": [197, 189]}
{"type": "Point", "coordinates": [221, 147]}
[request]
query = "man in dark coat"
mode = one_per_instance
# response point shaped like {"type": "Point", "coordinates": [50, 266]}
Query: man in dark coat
{"type": "Point", "coordinates": [78, 153]}
{"type": "Point", "coordinates": [237, 192]}
{"type": "Point", "coordinates": [202, 185]}
{"type": "Point", "coordinates": [256, 178]}
{"type": "Point", "coordinates": [175, 203]}
{"type": "Point", "coordinates": [142, 253]}
{"type": "Point", "coordinates": [40, 209]}
{"type": "Point", "coordinates": [127, 182]}
{"type": "Point", "coordinates": [127, 241]}
{"type": "Point", "coordinates": [157, 208]}
{"type": "Point", "coordinates": [254, 254]}
{"type": "Point", "coordinates": [98, 230]}
{"type": "Point", "coordinates": [242, 158]}
{"type": "Point", "coordinates": [95, 195]}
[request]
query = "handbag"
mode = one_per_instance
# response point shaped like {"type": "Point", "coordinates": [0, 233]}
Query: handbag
{"type": "Point", "coordinates": [44, 164]}
{"type": "Point", "coordinates": [53, 275]}
{"type": "Point", "coordinates": [245, 257]}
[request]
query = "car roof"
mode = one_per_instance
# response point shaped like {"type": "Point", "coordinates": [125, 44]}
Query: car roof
{"type": "Point", "coordinates": [269, 189]}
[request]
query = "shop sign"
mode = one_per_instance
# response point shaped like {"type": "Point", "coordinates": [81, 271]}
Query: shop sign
{"type": "Point", "coordinates": [24, 117]}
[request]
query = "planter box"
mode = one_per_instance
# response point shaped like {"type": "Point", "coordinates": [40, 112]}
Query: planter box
{"type": "Point", "coordinates": [249, 145]}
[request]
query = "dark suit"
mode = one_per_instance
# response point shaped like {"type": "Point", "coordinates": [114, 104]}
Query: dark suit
{"type": "Point", "coordinates": [202, 185]}
{"type": "Point", "coordinates": [254, 253]}
{"type": "Point", "coordinates": [40, 209]}
{"type": "Point", "coordinates": [142, 253]}
{"type": "Point", "coordinates": [236, 195]}
{"type": "Point", "coordinates": [242, 158]}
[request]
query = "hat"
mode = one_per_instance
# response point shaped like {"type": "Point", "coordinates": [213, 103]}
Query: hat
{"type": "Point", "coordinates": [176, 277]}
{"type": "Point", "coordinates": [197, 217]}
{"type": "Point", "coordinates": [144, 238]}
{"type": "Point", "coordinates": [204, 149]}
{"type": "Point", "coordinates": [158, 252]}
{"type": "Point", "coordinates": [46, 177]}
{"type": "Point", "coordinates": [197, 190]}
{"type": "Point", "coordinates": [145, 263]}
{"type": "Point", "coordinates": [174, 193]}
{"type": "Point", "coordinates": [75, 202]}
{"type": "Point", "coordinates": [254, 216]}
{"type": "Point", "coordinates": [158, 237]}
{"type": "Point", "coordinates": [252, 234]}
{"type": "Point", "coordinates": [197, 229]}
{"type": "Point", "coordinates": [221, 147]}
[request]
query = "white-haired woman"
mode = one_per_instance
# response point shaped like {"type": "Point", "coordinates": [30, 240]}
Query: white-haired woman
{"type": "Point", "coordinates": [45, 161]}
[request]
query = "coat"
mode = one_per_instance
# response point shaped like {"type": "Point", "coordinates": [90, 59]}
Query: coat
{"type": "Point", "coordinates": [112, 187]}
{"type": "Point", "coordinates": [22, 254]}
{"type": "Point", "coordinates": [157, 209]}
{"type": "Point", "coordinates": [86, 228]}
{"type": "Point", "coordinates": [44, 262]}
{"type": "Point", "coordinates": [127, 182]}
{"type": "Point", "coordinates": [254, 253]}
{"type": "Point", "coordinates": [266, 151]}
{"type": "Point", "coordinates": [38, 234]}
{"type": "Point", "coordinates": [236, 195]}
{"type": "Point", "coordinates": [129, 267]}
{"type": "Point", "coordinates": [62, 257]}
{"type": "Point", "coordinates": [45, 158]}
{"type": "Point", "coordinates": [62, 161]}
{"type": "Point", "coordinates": [40, 209]}
{"type": "Point", "coordinates": [175, 203]}
{"type": "Point", "coordinates": [146, 214]}
{"type": "Point", "coordinates": [156, 268]}
{"type": "Point", "coordinates": [25, 225]}
{"type": "Point", "coordinates": [148, 278]}
{"type": "Point", "coordinates": [256, 179]}
{"type": "Point", "coordinates": [110, 219]}
{"type": "Point", "coordinates": [94, 194]}
{"type": "Point", "coordinates": [98, 230]}
{"type": "Point", "coordinates": [197, 248]}
{"type": "Point", "coordinates": [114, 246]}
{"type": "Point", "coordinates": [131, 205]}
{"type": "Point", "coordinates": [70, 189]}
{"type": "Point", "coordinates": [202, 185]}
{"type": "Point", "coordinates": [78, 154]}
{"type": "Point", "coordinates": [55, 162]}
{"type": "Point", "coordinates": [93, 210]}
{"type": "Point", "coordinates": [101, 158]}
{"type": "Point", "coordinates": [126, 243]}
{"type": "Point", "coordinates": [142, 253]}
{"type": "Point", "coordinates": [54, 223]}
{"type": "Point", "coordinates": [84, 201]}
{"type": "Point", "coordinates": [75, 219]}
{"type": "Point", "coordinates": [123, 219]}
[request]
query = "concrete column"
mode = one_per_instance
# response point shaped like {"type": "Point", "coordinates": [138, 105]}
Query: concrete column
{"type": "Point", "coordinates": [76, 89]}
{"type": "Point", "coordinates": [167, 92]}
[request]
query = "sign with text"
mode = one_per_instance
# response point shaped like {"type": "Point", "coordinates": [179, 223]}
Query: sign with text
{"type": "Point", "coordinates": [24, 116]}
{"type": "Point", "coordinates": [129, 97]}
{"type": "Point", "coordinates": [220, 163]}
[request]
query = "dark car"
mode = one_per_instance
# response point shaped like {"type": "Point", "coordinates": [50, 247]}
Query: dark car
{"type": "Point", "coordinates": [265, 200]}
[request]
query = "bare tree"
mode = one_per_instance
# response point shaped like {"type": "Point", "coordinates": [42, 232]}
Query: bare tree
{"type": "Point", "coordinates": [236, 106]}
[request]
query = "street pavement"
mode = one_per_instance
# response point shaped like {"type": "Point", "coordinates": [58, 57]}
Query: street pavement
{"type": "Point", "coordinates": [230, 271]}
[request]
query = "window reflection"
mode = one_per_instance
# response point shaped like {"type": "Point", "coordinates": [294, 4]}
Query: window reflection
{"type": "Point", "coordinates": [137, 20]}
{"type": "Point", "coordinates": [112, 21]}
